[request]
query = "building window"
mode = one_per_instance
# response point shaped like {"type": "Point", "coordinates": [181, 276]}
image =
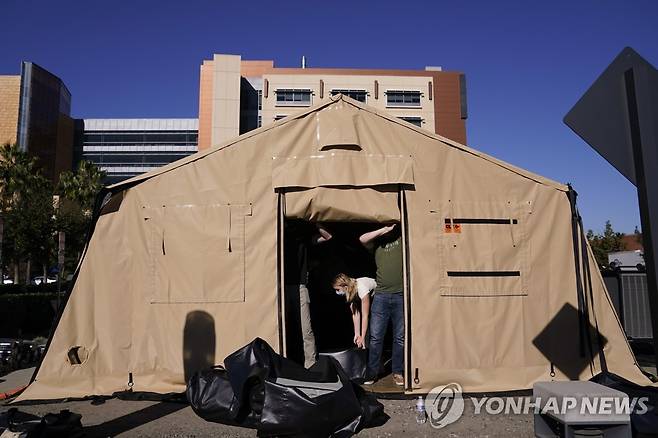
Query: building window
{"type": "Point", "coordinates": [260, 100]}
{"type": "Point", "coordinates": [260, 120]}
{"type": "Point", "coordinates": [402, 98]}
{"type": "Point", "coordinates": [126, 153]}
{"type": "Point", "coordinates": [293, 97]}
{"type": "Point", "coordinates": [280, 116]}
{"type": "Point", "coordinates": [359, 95]}
{"type": "Point", "coordinates": [413, 120]}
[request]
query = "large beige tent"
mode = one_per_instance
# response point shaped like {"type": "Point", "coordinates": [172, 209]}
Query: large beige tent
{"type": "Point", "coordinates": [501, 288]}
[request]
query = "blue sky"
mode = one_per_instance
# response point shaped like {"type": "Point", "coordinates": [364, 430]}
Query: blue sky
{"type": "Point", "coordinates": [526, 62]}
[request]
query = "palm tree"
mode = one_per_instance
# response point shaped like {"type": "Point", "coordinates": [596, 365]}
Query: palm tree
{"type": "Point", "coordinates": [77, 191]}
{"type": "Point", "coordinates": [20, 184]}
{"type": "Point", "coordinates": [27, 217]}
{"type": "Point", "coordinates": [83, 186]}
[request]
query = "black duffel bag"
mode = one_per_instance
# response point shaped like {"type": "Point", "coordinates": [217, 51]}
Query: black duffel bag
{"type": "Point", "coordinates": [263, 390]}
{"type": "Point", "coordinates": [211, 397]}
{"type": "Point", "coordinates": [354, 362]}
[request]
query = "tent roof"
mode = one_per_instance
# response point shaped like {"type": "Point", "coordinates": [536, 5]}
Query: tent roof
{"type": "Point", "coordinates": [320, 107]}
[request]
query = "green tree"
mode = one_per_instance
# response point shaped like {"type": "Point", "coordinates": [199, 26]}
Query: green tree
{"type": "Point", "coordinates": [82, 186]}
{"type": "Point", "coordinates": [12, 165]}
{"type": "Point", "coordinates": [77, 193]}
{"type": "Point", "coordinates": [602, 244]}
{"type": "Point", "coordinates": [31, 225]}
{"type": "Point", "coordinates": [25, 209]}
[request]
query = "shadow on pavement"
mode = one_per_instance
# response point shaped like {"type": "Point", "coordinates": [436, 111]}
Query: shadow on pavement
{"type": "Point", "coordinates": [17, 417]}
{"type": "Point", "coordinates": [133, 420]}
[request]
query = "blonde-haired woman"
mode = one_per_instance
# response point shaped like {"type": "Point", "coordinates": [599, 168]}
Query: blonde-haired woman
{"type": "Point", "coordinates": [357, 292]}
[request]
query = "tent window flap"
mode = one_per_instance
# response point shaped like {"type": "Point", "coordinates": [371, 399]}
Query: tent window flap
{"type": "Point", "coordinates": [483, 248]}
{"type": "Point", "coordinates": [197, 253]}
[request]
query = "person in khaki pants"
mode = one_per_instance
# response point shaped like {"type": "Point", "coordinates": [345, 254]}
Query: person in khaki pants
{"type": "Point", "coordinates": [297, 238]}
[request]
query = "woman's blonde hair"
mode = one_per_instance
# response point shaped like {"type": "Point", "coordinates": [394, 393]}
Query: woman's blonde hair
{"type": "Point", "coordinates": [345, 280]}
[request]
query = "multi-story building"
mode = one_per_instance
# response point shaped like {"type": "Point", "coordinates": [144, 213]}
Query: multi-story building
{"type": "Point", "coordinates": [236, 95]}
{"type": "Point", "coordinates": [124, 148]}
{"type": "Point", "coordinates": [35, 113]}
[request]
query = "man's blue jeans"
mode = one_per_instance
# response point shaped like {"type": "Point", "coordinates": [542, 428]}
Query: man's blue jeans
{"type": "Point", "coordinates": [386, 307]}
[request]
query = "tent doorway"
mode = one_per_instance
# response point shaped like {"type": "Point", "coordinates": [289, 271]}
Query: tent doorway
{"type": "Point", "coordinates": [331, 318]}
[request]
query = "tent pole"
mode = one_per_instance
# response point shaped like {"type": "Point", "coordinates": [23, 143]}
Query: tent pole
{"type": "Point", "coordinates": [280, 272]}
{"type": "Point", "coordinates": [583, 318]}
{"type": "Point", "coordinates": [407, 289]}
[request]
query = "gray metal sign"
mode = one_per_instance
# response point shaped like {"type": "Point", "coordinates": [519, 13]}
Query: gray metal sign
{"type": "Point", "coordinates": [618, 117]}
{"type": "Point", "coordinates": [601, 116]}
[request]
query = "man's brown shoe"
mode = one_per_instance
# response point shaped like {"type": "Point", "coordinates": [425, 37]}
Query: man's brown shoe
{"type": "Point", "coordinates": [398, 379]}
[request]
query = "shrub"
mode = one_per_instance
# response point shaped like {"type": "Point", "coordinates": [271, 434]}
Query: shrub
{"type": "Point", "coordinates": [26, 315]}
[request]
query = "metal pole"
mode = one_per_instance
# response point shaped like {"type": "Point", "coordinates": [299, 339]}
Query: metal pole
{"type": "Point", "coordinates": [647, 191]}
{"type": "Point", "coordinates": [60, 265]}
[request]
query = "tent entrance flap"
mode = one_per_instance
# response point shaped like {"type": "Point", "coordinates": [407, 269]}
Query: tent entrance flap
{"type": "Point", "coordinates": [330, 169]}
{"type": "Point", "coordinates": [353, 204]}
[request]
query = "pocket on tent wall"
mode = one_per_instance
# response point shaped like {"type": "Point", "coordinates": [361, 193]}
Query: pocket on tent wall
{"type": "Point", "coordinates": [484, 248]}
{"type": "Point", "coordinates": [197, 253]}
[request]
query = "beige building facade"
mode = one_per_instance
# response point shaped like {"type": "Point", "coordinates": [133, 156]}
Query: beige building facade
{"type": "Point", "coordinates": [236, 96]}
{"type": "Point", "coordinates": [10, 92]}
{"type": "Point", "coordinates": [373, 90]}
{"type": "Point", "coordinates": [219, 98]}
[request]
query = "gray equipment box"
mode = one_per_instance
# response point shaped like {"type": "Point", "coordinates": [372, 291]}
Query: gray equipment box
{"type": "Point", "coordinates": [580, 409]}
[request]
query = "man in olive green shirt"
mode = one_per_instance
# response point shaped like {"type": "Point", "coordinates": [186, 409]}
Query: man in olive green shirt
{"type": "Point", "coordinates": [387, 301]}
